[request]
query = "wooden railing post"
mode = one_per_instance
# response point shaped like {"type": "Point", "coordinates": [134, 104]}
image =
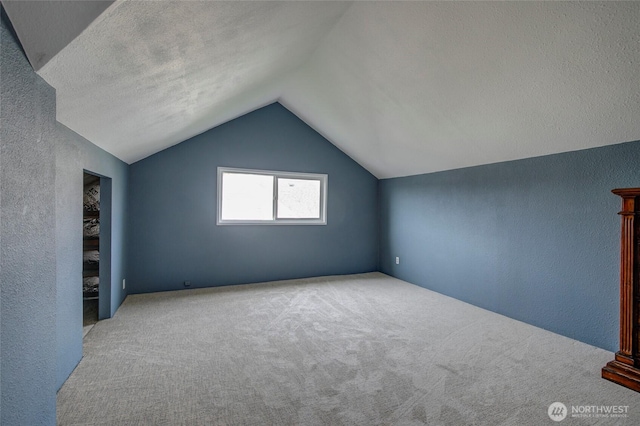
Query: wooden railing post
{"type": "Point", "coordinates": [625, 368]}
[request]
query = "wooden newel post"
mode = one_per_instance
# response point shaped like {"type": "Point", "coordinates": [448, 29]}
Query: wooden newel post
{"type": "Point", "coordinates": [625, 368]}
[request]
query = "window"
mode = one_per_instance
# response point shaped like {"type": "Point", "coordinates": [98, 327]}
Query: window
{"type": "Point", "coordinates": [271, 198]}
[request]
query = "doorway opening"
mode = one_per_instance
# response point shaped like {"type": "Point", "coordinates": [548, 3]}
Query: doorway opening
{"type": "Point", "coordinates": [90, 252]}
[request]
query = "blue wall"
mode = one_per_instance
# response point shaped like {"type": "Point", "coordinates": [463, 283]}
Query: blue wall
{"type": "Point", "coordinates": [173, 232]}
{"type": "Point", "coordinates": [74, 154]}
{"type": "Point", "coordinates": [27, 234]}
{"type": "Point", "coordinates": [536, 240]}
{"type": "Point", "coordinates": [41, 181]}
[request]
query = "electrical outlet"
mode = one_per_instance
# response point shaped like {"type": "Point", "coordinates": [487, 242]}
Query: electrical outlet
{"type": "Point", "coordinates": [187, 283]}
{"type": "Point", "coordinates": [397, 260]}
{"type": "Point", "coordinates": [124, 284]}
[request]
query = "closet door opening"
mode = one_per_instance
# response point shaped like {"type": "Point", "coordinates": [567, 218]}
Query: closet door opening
{"type": "Point", "coordinates": [90, 252]}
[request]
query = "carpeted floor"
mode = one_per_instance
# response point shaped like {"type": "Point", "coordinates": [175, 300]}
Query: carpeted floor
{"type": "Point", "coordinates": [352, 350]}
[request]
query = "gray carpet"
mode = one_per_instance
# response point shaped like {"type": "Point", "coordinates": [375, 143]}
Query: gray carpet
{"type": "Point", "coordinates": [353, 350]}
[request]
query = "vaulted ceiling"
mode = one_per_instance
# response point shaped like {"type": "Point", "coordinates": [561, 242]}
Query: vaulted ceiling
{"type": "Point", "coordinates": [401, 87]}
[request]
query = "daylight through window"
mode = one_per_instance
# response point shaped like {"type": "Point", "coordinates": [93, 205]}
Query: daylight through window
{"type": "Point", "coordinates": [267, 197]}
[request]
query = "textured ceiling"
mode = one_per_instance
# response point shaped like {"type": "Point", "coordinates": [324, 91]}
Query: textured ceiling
{"type": "Point", "coordinates": [402, 87]}
{"type": "Point", "coordinates": [147, 75]}
{"type": "Point", "coordinates": [46, 27]}
{"type": "Point", "coordinates": [426, 86]}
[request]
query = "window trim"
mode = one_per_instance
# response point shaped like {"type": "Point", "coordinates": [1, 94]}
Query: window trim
{"type": "Point", "coordinates": [324, 181]}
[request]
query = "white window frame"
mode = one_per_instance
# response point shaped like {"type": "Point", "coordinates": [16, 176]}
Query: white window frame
{"type": "Point", "coordinates": [322, 178]}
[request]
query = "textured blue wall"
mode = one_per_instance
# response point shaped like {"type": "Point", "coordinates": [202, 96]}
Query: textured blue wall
{"type": "Point", "coordinates": [173, 232]}
{"type": "Point", "coordinates": [41, 180]}
{"type": "Point", "coordinates": [74, 154]}
{"type": "Point", "coordinates": [536, 240]}
{"type": "Point", "coordinates": [27, 233]}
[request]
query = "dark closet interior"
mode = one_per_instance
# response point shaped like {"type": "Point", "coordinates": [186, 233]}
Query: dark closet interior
{"type": "Point", "coordinates": [91, 250]}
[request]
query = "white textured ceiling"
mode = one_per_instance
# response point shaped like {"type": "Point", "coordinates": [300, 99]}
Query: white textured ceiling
{"type": "Point", "coordinates": [427, 86]}
{"type": "Point", "coordinates": [46, 27]}
{"type": "Point", "coordinates": [402, 87]}
{"type": "Point", "coordinates": [147, 75]}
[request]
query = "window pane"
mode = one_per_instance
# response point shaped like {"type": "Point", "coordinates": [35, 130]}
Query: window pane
{"type": "Point", "coordinates": [298, 199]}
{"type": "Point", "coordinates": [247, 197]}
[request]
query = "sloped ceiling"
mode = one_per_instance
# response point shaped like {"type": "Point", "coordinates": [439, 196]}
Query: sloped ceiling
{"type": "Point", "coordinates": [402, 87]}
{"type": "Point", "coordinates": [46, 27]}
